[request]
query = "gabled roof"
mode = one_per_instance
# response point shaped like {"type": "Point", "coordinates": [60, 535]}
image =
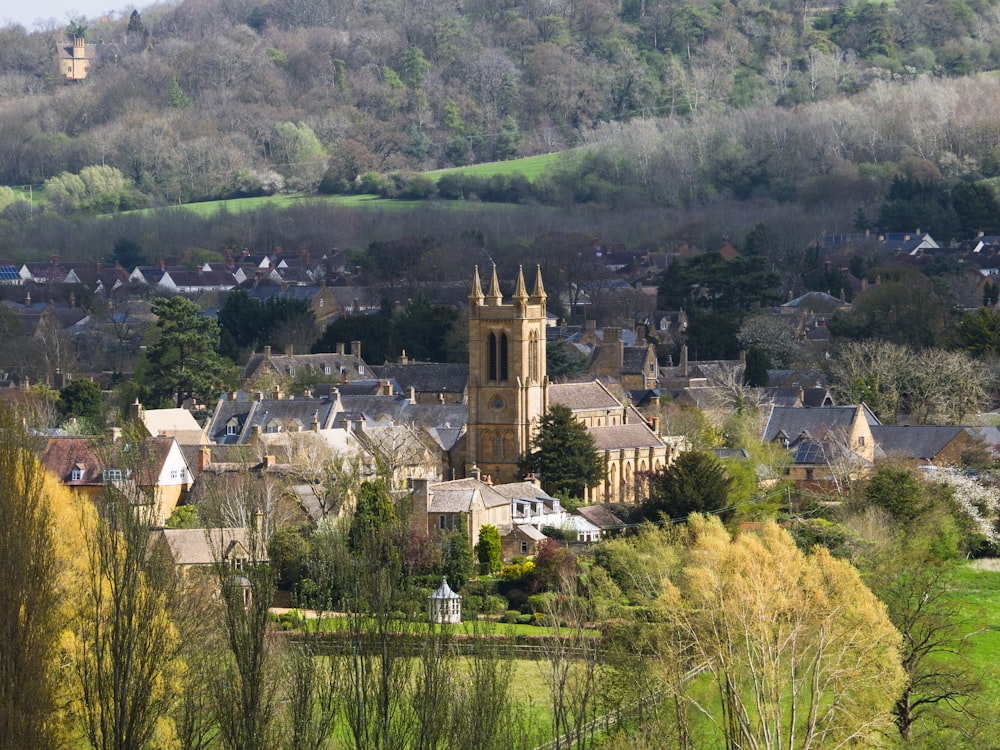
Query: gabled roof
{"type": "Point", "coordinates": [582, 396]}
{"type": "Point", "coordinates": [600, 516]}
{"type": "Point", "coordinates": [426, 377]}
{"type": "Point", "coordinates": [624, 436]}
{"type": "Point", "coordinates": [634, 360]}
{"type": "Point", "coordinates": [524, 491]}
{"type": "Point", "coordinates": [63, 454]}
{"type": "Point", "coordinates": [923, 442]}
{"type": "Point", "coordinates": [458, 496]}
{"type": "Point", "coordinates": [820, 423]}
{"type": "Point", "coordinates": [205, 546]}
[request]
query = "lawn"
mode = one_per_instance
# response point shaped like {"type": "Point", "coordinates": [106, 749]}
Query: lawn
{"type": "Point", "coordinates": [978, 592]}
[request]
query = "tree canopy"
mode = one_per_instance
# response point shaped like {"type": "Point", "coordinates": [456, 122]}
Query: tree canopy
{"type": "Point", "coordinates": [563, 455]}
{"type": "Point", "coordinates": [696, 482]}
{"type": "Point", "coordinates": [182, 362]}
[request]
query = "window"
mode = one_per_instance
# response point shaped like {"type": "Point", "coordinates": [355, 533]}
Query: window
{"type": "Point", "coordinates": [326, 369]}
{"type": "Point", "coordinates": [496, 357]}
{"type": "Point", "coordinates": [272, 426]}
{"type": "Point", "coordinates": [446, 521]}
{"type": "Point", "coordinates": [76, 475]}
{"type": "Point", "coordinates": [238, 563]}
{"type": "Point", "coordinates": [322, 302]}
{"type": "Point", "coordinates": [232, 429]}
{"type": "Point", "coordinates": [524, 548]}
{"type": "Point", "coordinates": [291, 371]}
{"type": "Point", "coordinates": [361, 369]}
{"type": "Point", "coordinates": [861, 440]}
{"type": "Point", "coordinates": [112, 475]}
{"type": "Point", "coordinates": [498, 447]}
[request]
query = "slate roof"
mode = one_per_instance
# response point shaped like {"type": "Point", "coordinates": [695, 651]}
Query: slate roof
{"type": "Point", "coordinates": [923, 442]}
{"type": "Point", "coordinates": [524, 491]}
{"type": "Point", "coordinates": [200, 546]}
{"type": "Point", "coordinates": [582, 396]}
{"type": "Point", "coordinates": [634, 360]}
{"type": "Point", "coordinates": [600, 516]}
{"type": "Point", "coordinates": [458, 495]}
{"type": "Point", "coordinates": [815, 302]}
{"type": "Point", "coordinates": [818, 423]}
{"type": "Point", "coordinates": [289, 414]}
{"type": "Point", "coordinates": [345, 366]}
{"type": "Point", "coordinates": [624, 436]}
{"type": "Point", "coordinates": [426, 377]}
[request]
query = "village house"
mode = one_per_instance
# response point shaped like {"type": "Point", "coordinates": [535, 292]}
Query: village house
{"type": "Point", "coordinates": [156, 466]}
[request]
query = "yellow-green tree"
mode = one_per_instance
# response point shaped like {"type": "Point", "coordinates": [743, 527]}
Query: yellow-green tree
{"type": "Point", "coordinates": [792, 649]}
{"type": "Point", "coordinates": [29, 590]}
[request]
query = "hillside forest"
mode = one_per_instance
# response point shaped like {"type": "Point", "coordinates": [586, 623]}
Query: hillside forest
{"type": "Point", "coordinates": [811, 109]}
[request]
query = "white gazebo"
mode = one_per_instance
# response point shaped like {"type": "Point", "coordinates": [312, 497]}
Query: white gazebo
{"type": "Point", "coordinates": [444, 605]}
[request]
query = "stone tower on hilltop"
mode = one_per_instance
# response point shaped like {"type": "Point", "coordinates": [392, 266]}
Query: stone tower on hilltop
{"type": "Point", "coordinates": [508, 385]}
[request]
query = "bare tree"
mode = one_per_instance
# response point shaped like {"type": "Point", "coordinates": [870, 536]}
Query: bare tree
{"type": "Point", "coordinates": [246, 692]}
{"type": "Point", "coordinates": [125, 640]}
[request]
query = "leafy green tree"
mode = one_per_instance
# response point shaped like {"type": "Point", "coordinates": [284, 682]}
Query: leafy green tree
{"type": "Point", "coordinates": [373, 331]}
{"type": "Point", "coordinates": [127, 252]}
{"type": "Point", "coordinates": [696, 482]}
{"type": "Point", "coordinates": [423, 330]}
{"type": "Point", "coordinates": [562, 361]}
{"type": "Point", "coordinates": [374, 518]}
{"type": "Point", "coordinates": [897, 491]}
{"type": "Point", "coordinates": [176, 97]}
{"type": "Point", "coordinates": [755, 374]}
{"type": "Point", "coordinates": [182, 363]}
{"type": "Point", "coordinates": [979, 331]}
{"type": "Point", "coordinates": [563, 455]}
{"type": "Point", "coordinates": [488, 549]}
{"type": "Point", "coordinates": [457, 558]}
{"type": "Point", "coordinates": [82, 399]}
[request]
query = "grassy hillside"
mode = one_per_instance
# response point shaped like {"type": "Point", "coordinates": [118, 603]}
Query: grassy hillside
{"type": "Point", "coordinates": [530, 166]}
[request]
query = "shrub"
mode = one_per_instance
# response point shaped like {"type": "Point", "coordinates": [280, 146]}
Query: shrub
{"type": "Point", "coordinates": [510, 616]}
{"type": "Point", "coordinates": [524, 619]}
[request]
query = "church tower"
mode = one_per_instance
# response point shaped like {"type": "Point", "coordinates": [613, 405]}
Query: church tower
{"type": "Point", "coordinates": [507, 381]}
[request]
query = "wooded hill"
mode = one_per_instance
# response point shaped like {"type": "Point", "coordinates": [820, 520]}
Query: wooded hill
{"type": "Point", "coordinates": [690, 103]}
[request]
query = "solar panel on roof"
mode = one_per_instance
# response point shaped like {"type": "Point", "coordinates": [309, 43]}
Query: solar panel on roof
{"type": "Point", "coordinates": [9, 273]}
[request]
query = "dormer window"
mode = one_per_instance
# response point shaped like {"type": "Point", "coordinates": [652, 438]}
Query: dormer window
{"type": "Point", "coordinates": [112, 475]}
{"type": "Point", "coordinates": [326, 369]}
{"type": "Point", "coordinates": [77, 474]}
{"type": "Point", "coordinates": [272, 427]}
{"type": "Point", "coordinates": [232, 428]}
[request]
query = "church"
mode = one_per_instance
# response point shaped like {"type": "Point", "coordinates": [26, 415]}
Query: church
{"type": "Point", "coordinates": [509, 392]}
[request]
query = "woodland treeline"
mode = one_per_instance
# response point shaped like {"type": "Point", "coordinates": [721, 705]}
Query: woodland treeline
{"type": "Point", "coordinates": [786, 101]}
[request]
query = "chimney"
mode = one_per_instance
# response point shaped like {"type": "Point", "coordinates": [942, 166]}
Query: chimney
{"type": "Point", "coordinates": [136, 412]}
{"type": "Point", "coordinates": [475, 473]}
{"type": "Point", "coordinates": [314, 425]}
{"type": "Point", "coordinates": [269, 462]}
{"type": "Point", "coordinates": [402, 358]}
{"type": "Point", "coordinates": [413, 395]}
{"type": "Point", "coordinates": [267, 353]}
{"type": "Point", "coordinates": [356, 349]}
{"type": "Point", "coordinates": [340, 347]}
{"type": "Point", "coordinates": [289, 351]}
{"type": "Point", "coordinates": [204, 458]}
{"type": "Point", "coordinates": [684, 361]}
{"type": "Point", "coordinates": [277, 394]}
{"type": "Point", "coordinates": [259, 395]}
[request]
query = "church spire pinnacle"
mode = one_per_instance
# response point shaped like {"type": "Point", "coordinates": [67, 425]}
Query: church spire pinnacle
{"type": "Point", "coordinates": [520, 292]}
{"type": "Point", "coordinates": [538, 296]}
{"type": "Point", "coordinates": [476, 295]}
{"type": "Point", "coordinates": [494, 297]}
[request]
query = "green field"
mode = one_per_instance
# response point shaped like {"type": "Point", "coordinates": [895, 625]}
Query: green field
{"type": "Point", "coordinates": [531, 166]}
